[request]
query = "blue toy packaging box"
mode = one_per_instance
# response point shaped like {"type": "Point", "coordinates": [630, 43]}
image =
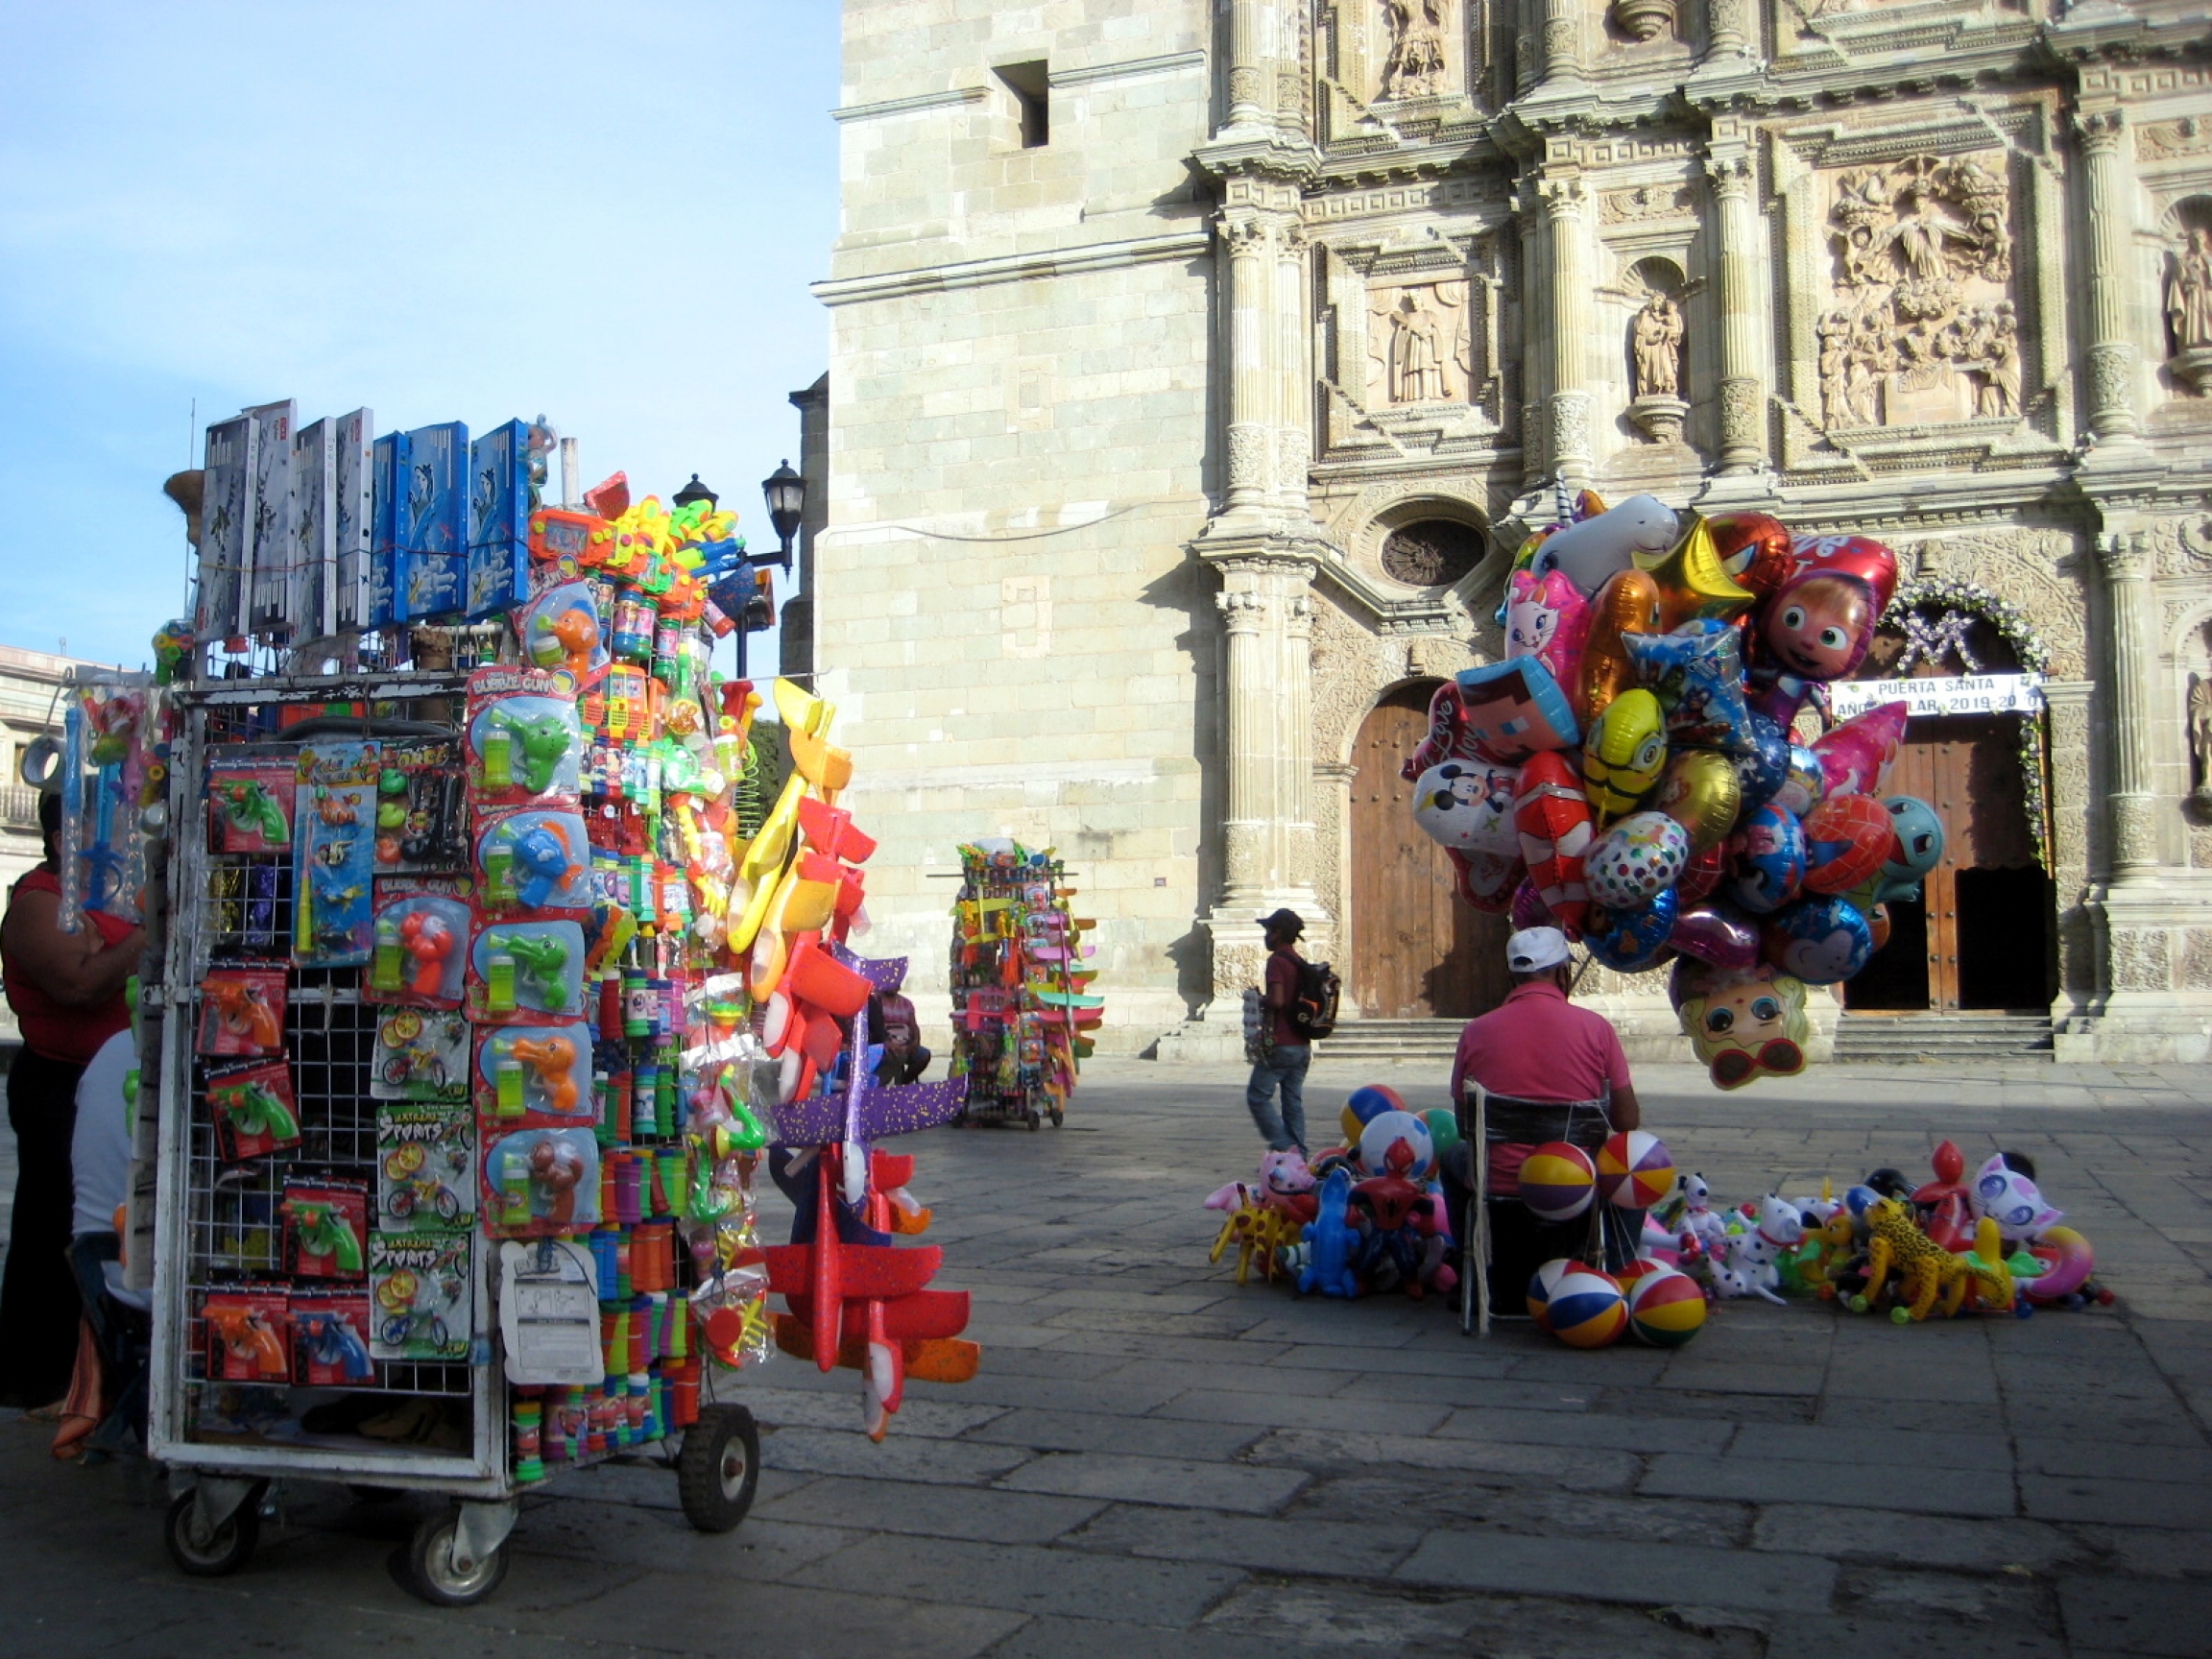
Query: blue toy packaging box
{"type": "Point", "coordinates": [498, 520]}
{"type": "Point", "coordinates": [433, 507]}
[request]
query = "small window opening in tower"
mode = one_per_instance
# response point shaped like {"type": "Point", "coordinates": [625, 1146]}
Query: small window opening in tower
{"type": "Point", "coordinates": [1032, 101]}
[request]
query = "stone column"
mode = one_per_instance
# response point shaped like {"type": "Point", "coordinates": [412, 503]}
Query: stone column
{"type": "Point", "coordinates": [1728, 29]}
{"type": "Point", "coordinates": [1292, 363]}
{"type": "Point", "coordinates": [1535, 294]}
{"type": "Point", "coordinates": [2113, 355]}
{"type": "Point", "coordinates": [1268, 618]}
{"type": "Point", "coordinates": [1562, 39]}
{"type": "Point", "coordinates": [1251, 76]}
{"type": "Point", "coordinates": [1742, 397]}
{"type": "Point", "coordinates": [1250, 334]}
{"type": "Point", "coordinates": [1566, 340]}
{"type": "Point", "coordinates": [2125, 557]}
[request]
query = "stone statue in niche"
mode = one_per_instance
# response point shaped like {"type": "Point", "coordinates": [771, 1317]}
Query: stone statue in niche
{"type": "Point", "coordinates": [2200, 735]}
{"type": "Point", "coordinates": [1655, 367]}
{"type": "Point", "coordinates": [1418, 343]}
{"type": "Point", "coordinates": [2188, 304]}
{"type": "Point", "coordinates": [1415, 66]}
{"type": "Point", "coordinates": [1924, 330]}
{"type": "Point", "coordinates": [1656, 337]}
{"type": "Point", "coordinates": [1643, 20]}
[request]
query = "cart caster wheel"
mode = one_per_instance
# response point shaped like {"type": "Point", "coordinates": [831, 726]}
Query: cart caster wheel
{"type": "Point", "coordinates": [718, 1467]}
{"type": "Point", "coordinates": [216, 1553]}
{"type": "Point", "coordinates": [428, 1570]}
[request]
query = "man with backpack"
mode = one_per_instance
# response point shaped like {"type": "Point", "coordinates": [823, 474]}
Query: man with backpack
{"type": "Point", "coordinates": [1298, 1004]}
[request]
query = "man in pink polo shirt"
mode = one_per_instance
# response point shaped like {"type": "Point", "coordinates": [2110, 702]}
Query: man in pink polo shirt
{"type": "Point", "coordinates": [1553, 1071]}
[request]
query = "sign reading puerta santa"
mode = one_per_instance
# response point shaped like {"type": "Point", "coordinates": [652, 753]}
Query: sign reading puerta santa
{"type": "Point", "coordinates": [1959, 694]}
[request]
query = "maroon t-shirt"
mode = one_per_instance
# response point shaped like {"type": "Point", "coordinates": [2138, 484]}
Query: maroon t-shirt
{"type": "Point", "coordinates": [1283, 989]}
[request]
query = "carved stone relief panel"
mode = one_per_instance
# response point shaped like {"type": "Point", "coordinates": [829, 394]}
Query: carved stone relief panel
{"type": "Point", "coordinates": [1419, 347]}
{"type": "Point", "coordinates": [1416, 49]}
{"type": "Point", "coordinates": [2173, 140]}
{"type": "Point", "coordinates": [1921, 326]}
{"type": "Point", "coordinates": [2025, 566]}
{"type": "Point", "coordinates": [1410, 341]}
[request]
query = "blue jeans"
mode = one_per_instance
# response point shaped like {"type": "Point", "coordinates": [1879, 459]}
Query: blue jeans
{"type": "Point", "coordinates": [1285, 1066]}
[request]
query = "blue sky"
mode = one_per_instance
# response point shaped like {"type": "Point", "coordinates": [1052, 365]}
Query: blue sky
{"type": "Point", "coordinates": [467, 209]}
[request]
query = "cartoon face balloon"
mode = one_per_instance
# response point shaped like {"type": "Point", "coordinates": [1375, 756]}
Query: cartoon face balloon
{"type": "Point", "coordinates": [1468, 805]}
{"type": "Point", "coordinates": [1634, 860]}
{"type": "Point", "coordinates": [2011, 1200]}
{"type": "Point", "coordinates": [1754, 547]}
{"type": "Point", "coordinates": [1847, 840]}
{"type": "Point", "coordinates": [1820, 940]}
{"type": "Point", "coordinates": [1514, 709]}
{"type": "Point", "coordinates": [1633, 940]}
{"type": "Point", "coordinates": [1803, 783]}
{"type": "Point", "coordinates": [1698, 673]}
{"type": "Point", "coordinates": [1919, 848]}
{"type": "Point", "coordinates": [1821, 619]}
{"type": "Point", "coordinates": [1447, 736]}
{"type": "Point", "coordinates": [1768, 859]}
{"type": "Point", "coordinates": [1546, 618]}
{"type": "Point", "coordinates": [1622, 755]}
{"type": "Point", "coordinates": [1744, 1027]}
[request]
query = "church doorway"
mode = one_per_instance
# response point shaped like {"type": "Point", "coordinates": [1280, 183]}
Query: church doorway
{"type": "Point", "coordinates": [1417, 951]}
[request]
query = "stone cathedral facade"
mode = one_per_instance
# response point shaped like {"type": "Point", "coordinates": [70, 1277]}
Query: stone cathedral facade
{"type": "Point", "coordinates": [1198, 365]}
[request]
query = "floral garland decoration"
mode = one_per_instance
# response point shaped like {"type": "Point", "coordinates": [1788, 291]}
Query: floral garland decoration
{"type": "Point", "coordinates": [1934, 638]}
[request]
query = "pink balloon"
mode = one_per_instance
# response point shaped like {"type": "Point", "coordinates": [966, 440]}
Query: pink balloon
{"type": "Point", "coordinates": [1717, 934]}
{"type": "Point", "coordinates": [1855, 758]}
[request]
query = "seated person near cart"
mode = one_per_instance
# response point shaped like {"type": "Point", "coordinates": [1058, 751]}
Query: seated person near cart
{"type": "Point", "coordinates": [1552, 1071]}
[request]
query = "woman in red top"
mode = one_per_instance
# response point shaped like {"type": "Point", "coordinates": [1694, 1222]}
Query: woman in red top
{"type": "Point", "coordinates": [68, 993]}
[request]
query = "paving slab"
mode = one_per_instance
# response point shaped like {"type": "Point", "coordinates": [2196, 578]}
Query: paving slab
{"type": "Point", "coordinates": [1307, 1546]}
{"type": "Point", "coordinates": [2123, 1616]}
{"type": "Point", "coordinates": [1152, 1436]}
{"type": "Point", "coordinates": [1648, 1575]}
{"type": "Point", "coordinates": [877, 1505]}
{"type": "Point", "coordinates": [1026, 1578]}
{"type": "Point", "coordinates": [1857, 1486]}
{"type": "Point", "coordinates": [2117, 1503]}
{"type": "Point", "coordinates": [1234, 1487]}
{"type": "Point", "coordinates": [1890, 1535]}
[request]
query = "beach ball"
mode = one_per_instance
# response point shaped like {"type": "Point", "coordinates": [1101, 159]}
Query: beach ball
{"type": "Point", "coordinates": [1397, 1143]}
{"type": "Point", "coordinates": [1635, 1170]}
{"type": "Point", "coordinates": [1587, 1309]}
{"type": "Point", "coordinates": [1558, 1181]}
{"type": "Point", "coordinates": [1541, 1284]}
{"type": "Point", "coordinates": [1363, 1106]}
{"type": "Point", "coordinates": [1635, 859]}
{"type": "Point", "coordinates": [1640, 1268]}
{"type": "Point", "coordinates": [1665, 1308]}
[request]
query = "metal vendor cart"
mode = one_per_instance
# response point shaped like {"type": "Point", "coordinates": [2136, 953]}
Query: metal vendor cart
{"type": "Point", "coordinates": [217, 1226]}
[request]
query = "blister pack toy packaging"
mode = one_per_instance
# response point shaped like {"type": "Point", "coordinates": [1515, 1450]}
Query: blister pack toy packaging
{"type": "Point", "coordinates": [510, 963]}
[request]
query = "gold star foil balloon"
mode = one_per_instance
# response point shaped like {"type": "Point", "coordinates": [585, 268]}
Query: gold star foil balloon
{"type": "Point", "coordinates": [1693, 583]}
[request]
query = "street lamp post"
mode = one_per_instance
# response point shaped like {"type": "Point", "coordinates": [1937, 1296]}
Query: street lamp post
{"type": "Point", "coordinates": [741, 595]}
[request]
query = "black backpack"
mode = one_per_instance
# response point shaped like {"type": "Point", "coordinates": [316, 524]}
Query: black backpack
{"type": "Point", "coordinates": [1313, 1003]}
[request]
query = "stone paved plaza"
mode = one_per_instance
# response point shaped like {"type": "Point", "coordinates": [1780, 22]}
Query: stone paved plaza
{"type": "Point", "coordinates": [1155, 1462]}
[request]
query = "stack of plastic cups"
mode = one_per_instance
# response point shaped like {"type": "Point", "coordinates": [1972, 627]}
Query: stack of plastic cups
{"type": "Point", "coordinates": [529, 1439]}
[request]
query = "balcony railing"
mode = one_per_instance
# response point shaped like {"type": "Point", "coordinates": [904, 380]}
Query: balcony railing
{"type": "Point", "coordinates": [18, 807]}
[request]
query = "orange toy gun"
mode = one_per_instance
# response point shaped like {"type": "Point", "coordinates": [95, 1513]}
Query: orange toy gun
{"type": "Point", "coordinates": [243, 1012]}
{"type": "Point", "coordinates": [552, 1059]}
{"type": "Point", "coordinates": [246, 1335]}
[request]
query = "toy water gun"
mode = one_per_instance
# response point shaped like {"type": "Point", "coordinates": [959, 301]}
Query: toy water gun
{"type": "Point", "coordinates": [254, 1110]}
{"type": "Point", "coordinates": [553, 1059]}
{"type": "Point", "coordinates": [322, 1231]}
{"type": "Point", "coordinates": [544, 740]}
{"type": "Point", "coordinates": [543, 963]}
{"type": "Point", "coordinates": [248, 1337]}
{"type": "Point", "coordinates": [546, 860]}
{"type": "Point", "coordinates": [426, 936]}
{"type": "Point", "coordinates": [332, 1340]}
{"type": "Point", "coordinates": [253, 810]}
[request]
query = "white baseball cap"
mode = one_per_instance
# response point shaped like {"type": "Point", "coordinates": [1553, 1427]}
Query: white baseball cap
{"type": "Point", "coordinates": [1533, 949]}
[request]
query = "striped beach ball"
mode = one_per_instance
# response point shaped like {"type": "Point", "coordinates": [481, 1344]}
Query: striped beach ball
{"type": "Point", "coordinates": [1587, 1309]}
{"type": "Point", "coordinates": [1557, 1181]}
{"type": "Point", "coordinates": [1665, 1308]}
{"type": "Point", "coordinates": [1639, 1268]}
{"type": "Point", "coordinates": [1541, 1286]}
{"type": "Point", "coordinates": [1635, 1170]}
{"type": "Point", "coordinates": [1363, 1106]}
